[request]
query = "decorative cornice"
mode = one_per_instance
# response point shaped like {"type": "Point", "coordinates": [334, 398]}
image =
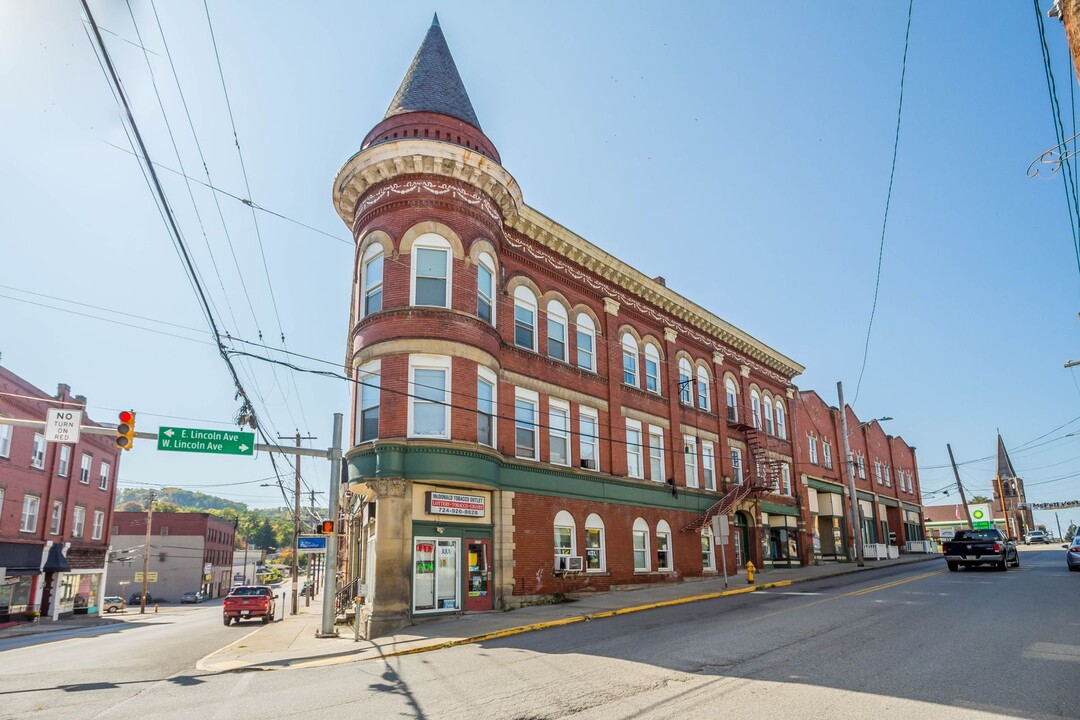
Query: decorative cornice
{"type": "Point", "coordinates": [670, 335]}
{"type": "Point", "coordinates": [744, 370]}
{"type": "Point", "coordinates": [388, 486]}
{"type": "Point", "coordinates": [611, 307]}
{"type": "Point", "coordinates": [617, 280]}
{"type": "Point", "coordinates": [718, 358]}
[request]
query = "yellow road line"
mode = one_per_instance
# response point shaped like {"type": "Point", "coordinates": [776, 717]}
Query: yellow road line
{"type": "Point", "coordinates": [854, 593]}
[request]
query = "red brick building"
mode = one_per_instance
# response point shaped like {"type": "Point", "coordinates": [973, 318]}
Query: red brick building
{"type": "Point", "coordinates": [56, 502]}
{"type": "Point", "coordinates": [189, 551]}
{"type": "Point", "coordinates": [886, 481]}
{"type": "Point", "coordinates": [532, 415]}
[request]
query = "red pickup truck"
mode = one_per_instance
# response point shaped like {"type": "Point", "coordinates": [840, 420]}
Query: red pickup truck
{"type": "Point", "coordinates": [249, 601]}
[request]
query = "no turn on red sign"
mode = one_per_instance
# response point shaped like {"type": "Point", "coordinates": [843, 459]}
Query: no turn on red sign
{"type": "Point", "coordinates": [62, 425]}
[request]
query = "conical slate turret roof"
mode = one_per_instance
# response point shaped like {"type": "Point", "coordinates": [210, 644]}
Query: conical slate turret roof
{"type": "Point", "coordinates": [432, 83]}
{"type": "Point", "coordinates": [1004, 464]}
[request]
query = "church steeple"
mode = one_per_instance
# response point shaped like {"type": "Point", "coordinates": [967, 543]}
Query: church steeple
{"type": "Point", "coordinates": [432, 103]}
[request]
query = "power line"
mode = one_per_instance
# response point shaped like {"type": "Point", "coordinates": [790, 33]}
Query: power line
{"type": "Point", "coordinates": [888, 201]}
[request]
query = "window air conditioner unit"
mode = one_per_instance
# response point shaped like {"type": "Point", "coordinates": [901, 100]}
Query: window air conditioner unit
{"type": "Point", "coordinates": [588, 464]}
{"type": "Point", "coordinates": [569, 563]}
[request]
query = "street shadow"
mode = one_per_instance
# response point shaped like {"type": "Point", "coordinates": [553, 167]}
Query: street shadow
{"type": "Point", "coordinates": [901, 641]}
{"type": "Point", "coordinates": [181, 680]}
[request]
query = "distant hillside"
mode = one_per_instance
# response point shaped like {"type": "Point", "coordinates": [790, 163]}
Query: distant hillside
{"type": "Point", "coordinates": [184, 499]}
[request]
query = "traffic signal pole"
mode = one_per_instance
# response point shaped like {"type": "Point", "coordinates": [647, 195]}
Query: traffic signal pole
{"type": "Point", "coordinates": [330, 571]}
{"type": "Point", "coordinates": [296, 527]}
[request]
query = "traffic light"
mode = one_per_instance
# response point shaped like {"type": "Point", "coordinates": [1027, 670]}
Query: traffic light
{"type": "Point", "coordinates": [125, 430]}
{"type": "Point", "coordinates": [326, 527]}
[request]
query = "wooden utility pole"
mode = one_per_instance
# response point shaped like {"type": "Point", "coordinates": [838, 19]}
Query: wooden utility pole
{"type": "Point", "coordinates": [296, 522]}
{"type": "Point", "coordinates": [1004, 510]}
{"type": "Point", "coordinates": [960, 487]}
{"type": "Point", "coordinates": [146, 554]}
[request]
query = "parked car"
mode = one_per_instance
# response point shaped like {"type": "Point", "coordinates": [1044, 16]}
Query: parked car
{"type": "Point", "coordinates": [248, 601]}
{"type": "Point", "coordinates": [134, 599]}
{"type": "Point", "coordinates": [980, 547]}
{"type": "Point", "coordinates": [1036, 536]}
{"type": "Point", "coordinates": [113, 603]}
{"type": "Point", "coordinates": [196, 596]}
{"type": "Point", "coordinates": [1072, 557]}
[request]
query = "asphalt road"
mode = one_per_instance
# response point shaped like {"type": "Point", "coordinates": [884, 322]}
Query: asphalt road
{"type": "Point", "coordinates": [910, 642]}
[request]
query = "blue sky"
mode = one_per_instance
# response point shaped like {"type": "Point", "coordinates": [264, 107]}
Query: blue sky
{"type": "Point", "coordinates": [742, 151]}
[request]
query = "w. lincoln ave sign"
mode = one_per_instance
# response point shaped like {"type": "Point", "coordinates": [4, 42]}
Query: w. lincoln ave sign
{"type": "Point", "coordinates": [450, 504]}
{"type": "Point", "coordinates": [221, 442]}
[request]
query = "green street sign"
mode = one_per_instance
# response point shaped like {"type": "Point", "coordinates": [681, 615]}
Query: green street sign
{"type": "Point", "coordinates": [981, 526]}
{"type": "Point", "coordinates": [219, 442]}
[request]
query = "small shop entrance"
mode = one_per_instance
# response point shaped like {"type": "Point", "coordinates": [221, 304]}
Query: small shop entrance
{"type": "Point", "coordinates": [478, 574]}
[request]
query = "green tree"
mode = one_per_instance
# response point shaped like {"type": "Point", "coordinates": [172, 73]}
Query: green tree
{"type": "Point", "coordinates": [131, 506]}
{"type": "Point", "coordinates": [264, 536]}
{"type": "Point", "coordinates": [166, 506]}
{"type": "Point", "coordinates": [1070, 533]}
{"type": "Point", "coordinates": [980, 499]}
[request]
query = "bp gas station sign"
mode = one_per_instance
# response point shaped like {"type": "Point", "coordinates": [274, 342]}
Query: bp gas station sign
{"type": "Point", "coordinates": [980, 519]}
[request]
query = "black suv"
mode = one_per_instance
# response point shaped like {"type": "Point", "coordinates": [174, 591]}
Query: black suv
{"type": "Point", "coordinates": [134, 599]}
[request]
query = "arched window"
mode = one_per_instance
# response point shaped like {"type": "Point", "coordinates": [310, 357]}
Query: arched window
{"type": "Point", "coordinates": [732, 400]}
{"type": "Point", "coordinates": [485, 288]}
{"type": "Point", "coordinates": [781, 420]}
{"type": "Point", "coordinates": [630, 359]}
{"type": "Point", "coordinates": [565, 535]}
{"type": "Point", "coordinates": [652, 368]}
{"type": "Point", "coordinates": [371, 278]}
{"type": "Point", "coordinates": [595, 552]}
{"type": "Point", "coordinates": [556, 328]}
{"type": "Point", "coordinates": [664, 560]}
{"type": "Point", "coordinates": [703, 389]}
{"type": "Point", "coordinates": [586, 343]}
{"type": "Point", "coordinates": [431, 275]}
{"type": "Point", "coordinates": [641, 546]}
{"type": "Point", "coordinates": [686, 379]}
{"type": "Point", "coordinates": [755, 408]}
{"type": "Point", "coordinates": [524, 318]}
{"type": "Point", "coordinates": [708, 557]}
{"type": "Point", "coordinates": [768, 414]}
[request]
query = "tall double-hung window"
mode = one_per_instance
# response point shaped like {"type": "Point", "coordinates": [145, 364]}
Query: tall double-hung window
{"type": "Point", "coordinates": [431, 271]}
{"type": "Point", "coordinates": [485, 288]}
{"type": "Point", "coordinates": [781, 420]}
{"type": "Point", "coordinates": [371, 278]}
{"type": "Point", "coordinates": [486, 384]}
{"type": "Point", "coordinates": [652, 368]}
{"type": "Point", "coordinates": [589, 438]}
{"type": "Point", "coordinates": [524, 318]}
{"type": "Point", "coordinates": [526, 414]}
{"type": "Point", "coordinates": [768, 415]}
{"type": "Point", "coordinates": [559, 432]}
{"type": "Point", "coordinates": [656, 453]}
{"type": "Point", "coordinates": [633, 449]}
{"type": "Point", "coordinates": [368, 392]}
{"type": "Point", "coordinates": [708, 465]}
{"type": "Point", "coordinates": [630, 359]}
{"type": "Point", "coordinates": [732, 400]}
{"type": "Point", "coordinates": [686, 380]}
{"type": "Point", "coordinates": [703, 389]}
{"type": "Point", "coordinates": [586, 343]}
{"type": "Point", "coordinates": [429, 391]}
{"type": "Point", "coordinates": [556, 327]}
{"type": "Point", "coordinates": [690, 460]}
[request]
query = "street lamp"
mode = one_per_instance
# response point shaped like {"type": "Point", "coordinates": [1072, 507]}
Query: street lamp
{"type": "Point", "coordinates": [853, 508]}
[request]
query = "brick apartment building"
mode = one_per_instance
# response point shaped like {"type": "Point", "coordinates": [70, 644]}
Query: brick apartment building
{"type": "Point", "coordinates": [532, 415]}
{"type": "Point", "coordinates": [55, 506]}
{"type": "Point", "coordinates": [189, 551]}
{"type": "Point", "coordinates": [886, 482]}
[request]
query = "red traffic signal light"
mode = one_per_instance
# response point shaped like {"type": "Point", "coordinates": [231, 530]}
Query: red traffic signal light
{"type": "Point", "coordinates": [125, 430]}
{"type": "Point", "coordinates": [326, 527]}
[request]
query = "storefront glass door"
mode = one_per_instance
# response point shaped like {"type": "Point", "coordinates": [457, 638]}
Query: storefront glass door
{"type": "Point", "coordinates": [435, 574]}
{"type": "Point", "coordinates": [478, 575]}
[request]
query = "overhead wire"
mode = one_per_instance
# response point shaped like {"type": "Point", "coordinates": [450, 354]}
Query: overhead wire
{"type": "Point", "coordinates": [888, 202]}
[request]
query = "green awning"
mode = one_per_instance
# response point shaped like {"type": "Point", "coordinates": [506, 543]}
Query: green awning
{"type": "Point", "coordinates": [889, 502]}
{"type": "Point", "coordinates": [912, 508]}
{"type": "Point", "coordinates": [824, 486]}
{"type": "Point", "coordinates": [778, 509]}
{"type": "Point", "coordinates": [869, 497]}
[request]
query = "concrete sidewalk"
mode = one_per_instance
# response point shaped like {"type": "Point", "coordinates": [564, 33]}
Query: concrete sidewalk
{"type": "Point", "coordinates": [291, 643]}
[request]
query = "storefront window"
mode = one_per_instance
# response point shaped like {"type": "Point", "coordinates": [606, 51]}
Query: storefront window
{"type": "Point", "coordinates": [435, 574]}
{"type": "Point", "coordinates": [708, 561]}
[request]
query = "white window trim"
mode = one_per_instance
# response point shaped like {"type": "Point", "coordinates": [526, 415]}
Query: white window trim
{"type": "Point", "coordinates": [641, 527]}
{"type": "Point", "coordinates": [657, 432]}
{"type": "Point", "coordinates": [690, 457]}
{"type": "Point", "coordinates": [104, 475]}
{"type": "Point", "coordinates": [584, 325]}
{"type": "Point", "coordinates": [663, 529]}
{"type": "Point", "coordinates": [594, 440]}
{"type": "Point", "coordinates": [78, 521]}
{"type": "Point", "coordinates": [826, 454]}
{"type": "Point", "coordinates": [99, 525]}
{"type": "Point", "coordinates": [563, 406]}
{"type": "Point", "coordinates": [6, 433]}
{"type": "Point", "coordinates": [635, 449]}
{"type": "Point", "coordinates": [811, 445]}
{"type": "Point", "coordinates": [56, 520]}
{"type": "Point", "coordinates": [64, 464]}
{"type": "Point", "coordinates": [491, 379]}
{"type": "Point", "coordinates": [687, 384]}
{"type": "Point", "coordinates": [534, 398]}
{"type": "Point", "coordinates": [731, 395]}
{"type": "Point", "coordinates": [860, 461]}
{"type": "Point", "coordinates": [630, 350]}
{"type": "Point", "coordinates": [703, 401]}
{"type": "Point", "coordinates": [781, 420]}
{"type": "Point", "coordinates": [488, 263]}
{"type": "Point", "coordinates": [430, 362]}
{"type": "Point", "coordinates": [738, 474]}
{"type": "Point", "coordinates": [877, 472]}
{"type": "Point", "coordinates": [785, 479]}
{"type": "Point", "coordinates": [595, 522]}
{"type": "Point", "coordinates": [86, 463]}
{"type": "Point", "coordinates": [37, 459]}
{"type": "Point", "coordinates": [707, 537]}
{"type": "Point", "coordinates": [374, 251]}
{"type": "Point", "coordinates": [372, 369]}
{"type": "Point", "coordinates": [565, 521]}
{"type": "Point", "coordinates": [755, 408]}
{"type": "Point", "coordinates": [708, 465]}
{"type": "Point", "coordinates": [524, 297]}
{"type": "Point", "coordinates": [431, 241]}
{"type": "Point", "coordinates": [652, 355]}
{"type": "Point", "coordinates": [556, 314]}
{"type": "Point", "coordinates": [26, 515]}
{"type": "Point", "coordinates": [767, 413]}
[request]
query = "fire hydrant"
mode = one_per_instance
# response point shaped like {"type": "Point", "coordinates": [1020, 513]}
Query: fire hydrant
{"type": "Point", "coordinates": [750, 572]}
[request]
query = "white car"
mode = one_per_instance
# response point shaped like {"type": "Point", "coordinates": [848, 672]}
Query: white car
{"type": "Point", "coordinates": [1036, 536]}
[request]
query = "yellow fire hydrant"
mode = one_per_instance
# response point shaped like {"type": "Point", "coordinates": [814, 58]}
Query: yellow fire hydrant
{"type": "Point", "coordinates": [750, 572]}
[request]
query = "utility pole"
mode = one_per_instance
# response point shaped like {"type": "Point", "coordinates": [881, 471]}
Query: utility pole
{"type": "Point", "coordinates": [1058, 521]}
{"type": "Point", "coordinates": [330, 571]}
{"type": "Point", "coordinates": [296, 522]}
{"type": "Point", "coordinates": [960, 487]}
{"type": "Point", "coordinates": [1001, 494]}
{"type": "Point", "coordinates": [146, 553]}
{"type": "Point", "coordinates": [849, 463]}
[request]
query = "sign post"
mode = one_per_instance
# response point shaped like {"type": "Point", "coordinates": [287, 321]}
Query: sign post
{"type": "Point", "coordinates": [307, 544]}
{"type": "Point", "coordinates": [217, 442]}
{"type": "Point", "coordinates": [720, 537]}
{"type": "Point", "coordinates": [62, 425]}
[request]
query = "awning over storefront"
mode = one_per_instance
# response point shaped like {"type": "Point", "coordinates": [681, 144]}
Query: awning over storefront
{"type": "Point", "coordinates": [823, 486]}
{"type": "Point", "coordinates": [21, 558]}
{"type": "Point", "coordinates": [888, 502]}
{"type": "Point", "coordinates": [912, 508]}
{"type": "Point", "coordinates": [778, 509]}
{"type": "Point", "coordinates": [56, 561]}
